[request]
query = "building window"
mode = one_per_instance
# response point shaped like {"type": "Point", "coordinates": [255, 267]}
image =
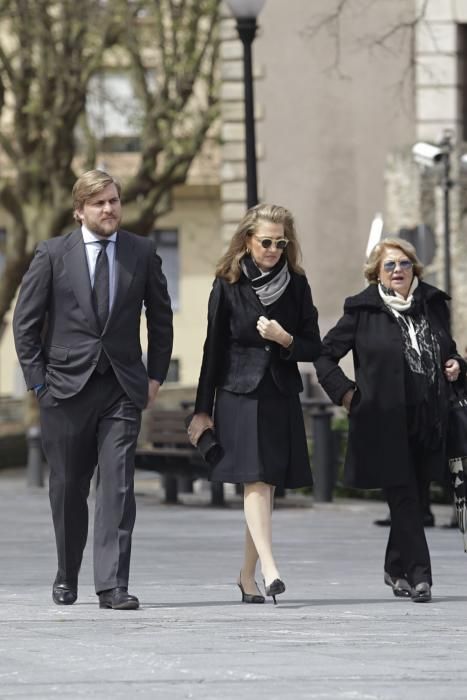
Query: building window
{"type": "Point", "coordinates": [173, 375]}
{"type": "Point", "coordinates": [114, 111]}
{"type": "Point", "coordinates": [167, 247]}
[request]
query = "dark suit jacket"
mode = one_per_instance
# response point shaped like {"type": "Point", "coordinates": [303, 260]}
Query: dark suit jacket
{"type": "Point", "coordinates": [56, 331]}
{"type": "Point", "coordinates": [236, 357]}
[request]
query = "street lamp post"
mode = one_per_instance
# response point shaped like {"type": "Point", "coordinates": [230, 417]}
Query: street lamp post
{"type": "Point", "coordinates": [446, 184]}
{"type": "Point", "coordinates": [246, 12]}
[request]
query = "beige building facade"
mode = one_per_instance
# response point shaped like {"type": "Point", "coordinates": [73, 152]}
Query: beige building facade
{"type": "Point", "coordinates": [340, 101]}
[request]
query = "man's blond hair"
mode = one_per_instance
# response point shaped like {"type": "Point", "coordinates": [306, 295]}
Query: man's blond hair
{"type": "Point", "coordinates": [87, 185]}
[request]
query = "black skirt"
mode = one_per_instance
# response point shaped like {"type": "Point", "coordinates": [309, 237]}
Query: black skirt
{"type": "Point", "coordinates": [263, 437]}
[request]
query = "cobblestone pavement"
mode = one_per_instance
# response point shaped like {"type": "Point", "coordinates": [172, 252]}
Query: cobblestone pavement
{"type": "Point", "coordinates": [337, 633]}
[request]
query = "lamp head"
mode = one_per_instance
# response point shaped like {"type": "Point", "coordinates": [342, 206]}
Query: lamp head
{"type": "Point", "coordinates": [245, 9]}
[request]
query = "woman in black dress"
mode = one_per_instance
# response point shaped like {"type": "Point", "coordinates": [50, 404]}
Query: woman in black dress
{"type": "Point", "coordinates": [261, 322]}
{"type": "Point", "coordinates": [404, 356]}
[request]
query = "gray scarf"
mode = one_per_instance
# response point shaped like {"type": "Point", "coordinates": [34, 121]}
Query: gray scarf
{"type": "Point", "coordinates": [269, 286]}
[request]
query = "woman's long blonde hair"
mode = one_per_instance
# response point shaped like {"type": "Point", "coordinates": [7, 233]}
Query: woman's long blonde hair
{"type": "Point", "coordinates": [229, 267]}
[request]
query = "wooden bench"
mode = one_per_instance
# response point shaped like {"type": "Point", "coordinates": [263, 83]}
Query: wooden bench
{"type": "Point", "coordinates": [164, 447]}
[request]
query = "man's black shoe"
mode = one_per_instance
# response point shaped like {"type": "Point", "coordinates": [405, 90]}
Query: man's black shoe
{"type": "Point", "coordinates": [118, 599]}
{"type": "Point", "coordinates": [64, 593]}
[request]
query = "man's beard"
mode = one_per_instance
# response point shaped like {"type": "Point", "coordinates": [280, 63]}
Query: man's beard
{"type": "Point", "coordinates": [105, 233]}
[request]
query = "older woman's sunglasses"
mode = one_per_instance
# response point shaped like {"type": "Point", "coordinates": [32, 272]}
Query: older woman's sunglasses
{"type": "Point", "coordinates": [280, 243]}
{"type": "Point", "coordinates": [390, 265]}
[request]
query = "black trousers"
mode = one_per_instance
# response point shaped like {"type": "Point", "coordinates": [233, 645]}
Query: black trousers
{"type": "Point", "coordinates": [407, 554]}
{"type": "Point", "coordinates": [97, 427]}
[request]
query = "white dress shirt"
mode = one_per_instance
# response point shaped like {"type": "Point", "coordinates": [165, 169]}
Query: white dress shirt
{"type": "Point", "coordinates": [92, 248]}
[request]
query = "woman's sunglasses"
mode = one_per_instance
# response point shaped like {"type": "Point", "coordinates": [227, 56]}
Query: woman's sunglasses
{"type": "Point", "coordinates": [390, 265]}
{"type": "Point", "coordinates": [280, 243]}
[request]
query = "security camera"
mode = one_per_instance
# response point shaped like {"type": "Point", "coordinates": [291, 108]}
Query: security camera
{"type": "Point", "coordinates": [427, 154]}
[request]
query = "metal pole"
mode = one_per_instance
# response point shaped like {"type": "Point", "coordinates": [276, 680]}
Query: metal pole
{"type": "Point", "coordinates": [447, 224]}
{"type": "Point", "coordinates": [35, 467]}
{"type": "Point", "coordinates": [446, 184]}
{"type": "Point", "coordinates": [247, 27]}
{"type": "Point", "coordinates": [324, 455]}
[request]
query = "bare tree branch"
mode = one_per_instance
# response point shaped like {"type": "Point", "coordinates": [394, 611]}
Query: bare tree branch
{"type": "Point", "coordinates": [50, 50]}
{"type": "Point", "coordinates": [404, 27]}
{"type": "Point", "coordinates": [332, 23]}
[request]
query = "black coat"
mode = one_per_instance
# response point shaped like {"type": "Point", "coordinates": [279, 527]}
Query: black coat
{"type": "Point", "coordinates": [236, 357]}
{"type": "Point", "coordinates": [378, 447]}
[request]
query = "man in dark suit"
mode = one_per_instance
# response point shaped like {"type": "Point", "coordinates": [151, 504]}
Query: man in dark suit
{"type": "Point", "coordinates": [77, 335]}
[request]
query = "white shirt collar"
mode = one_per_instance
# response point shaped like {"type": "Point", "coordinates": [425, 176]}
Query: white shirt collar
{"type": "Point", "coordinates": [90, 237]}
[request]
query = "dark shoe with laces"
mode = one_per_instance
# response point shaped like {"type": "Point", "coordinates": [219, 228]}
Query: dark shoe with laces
{"type": "Point", "coordinates": [422, 592]}
{"type": "Point", "coordinates": [118, 599]}
{"type": "Point", "coordinates": [64, 593]}
{"type": "Point", "coordinates": [400, 586]}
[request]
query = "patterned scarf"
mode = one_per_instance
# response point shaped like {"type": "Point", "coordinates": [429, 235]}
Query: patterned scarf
{"type": "Point", "coordinates": [423, 363]}
{"type": "Point", "coordinates": [421, 349]}
{"type": "Point", "coordinates": [269, 286]}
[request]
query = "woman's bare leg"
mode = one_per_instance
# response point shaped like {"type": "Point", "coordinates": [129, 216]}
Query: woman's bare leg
{"type": "Point", "coordinates": [258, 500]}
{"type": "Point", "coordinates": [248, 570]}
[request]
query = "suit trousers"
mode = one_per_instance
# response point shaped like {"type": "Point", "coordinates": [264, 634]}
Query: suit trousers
{"type": "Point", "coordinates": [407, 554]}
{"type": "Point", "coordinates": [99, 427]}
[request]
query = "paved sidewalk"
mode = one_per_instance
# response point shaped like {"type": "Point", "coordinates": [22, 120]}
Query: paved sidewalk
{"type": "Point", "coordinates": [337, 633]}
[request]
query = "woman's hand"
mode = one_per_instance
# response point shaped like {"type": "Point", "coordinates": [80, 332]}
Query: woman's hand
{"type": "Point", "coordinates": [347, 399]}
{"type": "Point", "coordinates": [272, 330]}
{"type": "Point", "coordinates": [451, 370]}
{"type": "Point", "coordinates": [199, 423]}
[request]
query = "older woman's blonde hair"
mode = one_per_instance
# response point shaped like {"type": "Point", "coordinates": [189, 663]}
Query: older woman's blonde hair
{"type": "Point", "coordinates": [373, 264]}
{"type": "Point", "coordinates": [229, 267]}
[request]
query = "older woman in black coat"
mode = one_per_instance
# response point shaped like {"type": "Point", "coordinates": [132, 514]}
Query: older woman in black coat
{"type": "Point", "coordinates": [398, 331]}
{"type": "Point", "coordinates": [261, 322]}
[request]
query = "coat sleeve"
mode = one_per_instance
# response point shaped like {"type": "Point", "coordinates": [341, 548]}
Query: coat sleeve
{"type": "Point", "coordinates": [158, 318]}
{"type": "Point", "coordinates": [215, 349]}
{"type": "Point", "coordinates": [336, 344]}
{"type": "Point", "coordinates": [306, 345]}
{"type": "Point", "coordinates": [452, 352]}
{"type": "Point", "coordinates": [30, 316]}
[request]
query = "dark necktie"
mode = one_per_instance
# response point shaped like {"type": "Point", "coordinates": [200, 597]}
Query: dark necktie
{"type": "Point", "coordinates": [100, 290]}
{"type": "Point", "coordinates": [100, 295]}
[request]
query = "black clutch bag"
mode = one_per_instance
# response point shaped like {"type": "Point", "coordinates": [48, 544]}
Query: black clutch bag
{"type": "Point", "coordinates": [208, 446]}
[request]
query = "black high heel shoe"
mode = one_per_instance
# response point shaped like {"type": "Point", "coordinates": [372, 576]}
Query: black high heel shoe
{"type": "Point", "coordinates": [275, 588]}
{"type": "Point", "coordinates": [249, 597]}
